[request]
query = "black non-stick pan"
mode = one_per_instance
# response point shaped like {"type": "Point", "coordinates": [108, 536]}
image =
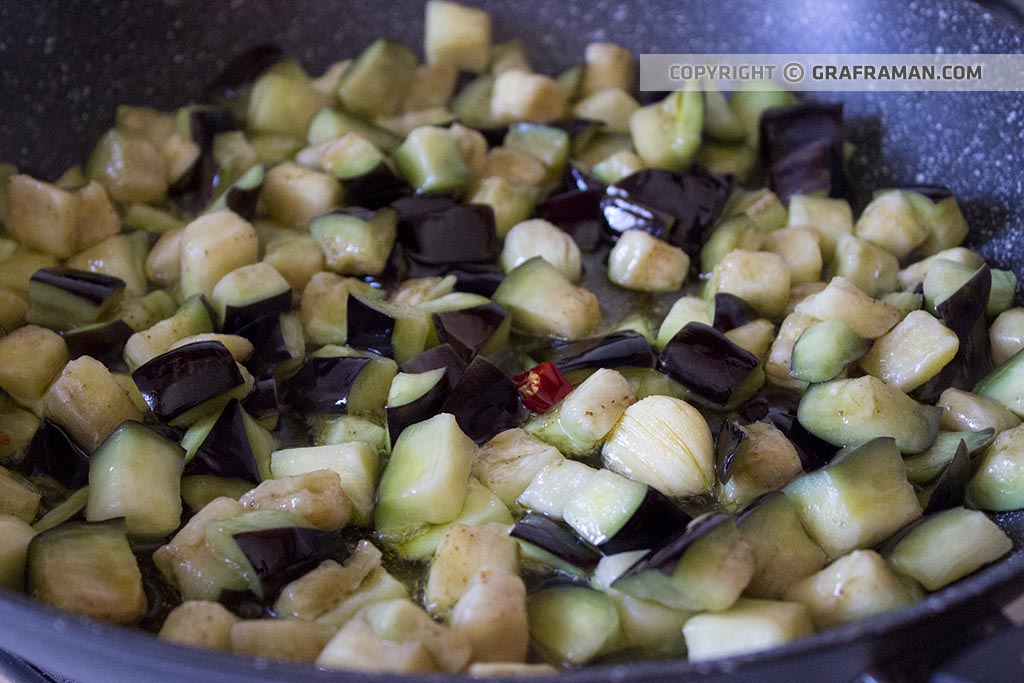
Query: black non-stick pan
{"type": "Point", "coordinates": [65, 65]}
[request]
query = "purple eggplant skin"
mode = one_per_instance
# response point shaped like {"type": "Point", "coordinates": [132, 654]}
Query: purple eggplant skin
{"type": "Point", "coordinates": [950, 488]}
{"type": "Point", "coordinates": [463, 233]}
{"type": "Point", "coordinates": [53, 453]}
{"type": "Point", "coordinates": [576, 179]}
{"type": "Point", "coordinates": [706, 362]}
{"type": "Point", "coordinates": [577, 212]}
{"type": "Point", "coordinates": [624, 349]}
{"type": "Point", "coordinates": [731, 312]}
{"type": "Point", "coordinates": [270, 348]}
{"type": "Point", "coordinates": [494, 135]}
{"type": "Point", "coordinates": [574, 126]}
{"type": "Point", "coordinates": [654, 521]}
{"type": "Point", "coordinates": [482, 279]}
{"type": "Point", "coordinates": [420, 204]}
{"type": "Point", "coordinates": [784, 130]}
{"type": "Point", "coordinates": [961, 313]}
{"type": "Point", "coordinates": [181, 379]}
{"type": "Point", "coordinates": [243, 200]}
{"type": "Point", "coordinates": [665, 557]}
{"type": "Point", "coordinates": [225, 452]}
{"type": "Point", "coordinates": [557, 539]}
{"type": "Point", "coordinates": [814, 453]}
{"type": "Point", "coordinates": [727, 446]}
{"type": "Point", "coordinates": [694, 200]}
{"type": "Point", "coordinates": [377, 188]}
{"type": "Point", "coordinates": [283, 554]}
{"type": "Point", "coordinates": [484, 402]}
{"type": "Point", "coordinates": [370, 328]}
{"type": "Point", "coordinates": [261, 403]}
{"type": "Point", "coordinates": [243, 70]}
{"type": "Point", "coordinates": [936, 193]}
{"type": "Point", "coordinates": [421, 408]}
{"type": "Point", "coordinates": [441, 356]}
{"type": "Point", "coordinates": [239, 317]}
{"type": "Point", "coordinates": [622, 214]}
{"type": "Point", "coordinates": [94, 288]}
{"type": "Point", "coordinates": [468, 330]}
{"type": "Point", "coordinates": [103, 341]}
{"type": "Point", "coordinates": [322, 384]}
{"type": "Point", "coordinates": [814, 167]}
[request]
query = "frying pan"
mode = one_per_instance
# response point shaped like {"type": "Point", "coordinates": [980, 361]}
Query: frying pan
{"type": "Point", "coordinates": [65, 65]}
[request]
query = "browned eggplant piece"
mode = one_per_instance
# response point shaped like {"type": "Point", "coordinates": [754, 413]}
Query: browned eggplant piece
{"type": "Point", "coordinates": [463, 233]}
{"type": "Point", "coordinates": [624, 349]}
{"type": "Point", "coordinates": [558, 540]}
{"type": "Point", "coordinates": [814, 453]}
{"type": "Point", "coordinates": [622, 214]}
{"type": "Point", "coordinates": [485, 401]}
{"type": "Point", "coordinates": [53, 453]}
{"type": "Point", "coordinates": [731, 312]}
{"type": "Point", "coordinates": [578, 212]}
{"type": "Point", "coordinates": [694, 200]}
{"type": "Point", "coordinates": [270, 348]}
{"type": "Point", "coordinates": [261, 402]}
{"type": "Point", "coordinates": [441, 356]}
{"type": "Point", "coordinates": [472, 330]}
{"type": "Point", "coordinates": [283, 554]}
{"type": "Point", "coordinates": [706, 362]}
{"type": "Point", "coordinates": [181, 379]}
{"type": "Point", "coordinates": [238, 318]}
{"type": "Point", "coordinates": [961, 313]}
{"type": "Point", "coordinates": [226, 450]}
{"type": "Point", "coordinates": [103, 341]}
{"type": "Point", "coordinates": [950, 488]}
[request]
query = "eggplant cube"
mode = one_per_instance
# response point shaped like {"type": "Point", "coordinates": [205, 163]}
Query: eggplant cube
{"type": "Point", "coordinates": [542, 301]}
{"type": "Point", "coordinates": [861, 498]}
{"type": "Point", "coordinates": [748, 626]}
{"type": "Point", "coordinates": [30, 357]}
{"type": "Point", "coordinates": [463, 552]}
{"type": "Point", "coordinates": [509, 461]}
{"type": "Point", "coordinates": [41, 216]}
{"type": "Point", "coordinates": [522, 96]}
{"type": "Point", "coordinates": [426, 478]}
{"type": "Point", "coordinates": [212, 246]}
{"type": "Point", "coordinates": [88, 402]}
{"type": "Point", "coordinates": [15, 536]}
{"type": "Point", "coordinates": [294, 195]}
{"type": "Point", "coordinates": [168, 385]}
{"type": "Point", "coordinates": [356, 243]}
{"type": "Point", "coordinates": [457, 35]}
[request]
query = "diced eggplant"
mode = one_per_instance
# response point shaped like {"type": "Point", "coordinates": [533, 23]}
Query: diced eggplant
{"type": "Point", "coordinates": [15, 537]}
{"type": "Point", "coordinates": [560, 547]}
{"type": "Point", "coordinates": [824, 349]}
{"type": "Point", "coordinates": [87, 568]}
{"type": "Point", "coordinates": [542, 301]}
{"type": "Point", "coordinates": [761, 462]}
{"type": "Point", "coordinates": [731, 312]}
{"type": "Point", "coordinates": [1003, 385]}
{"type": "Point", "coordinates": [414, 398]}
{"type": "Point", "coordinates": [135, 474]}
{"type": "Point", "coordinates": [63, 298]}
{"type": "Point", "coordinates": [871, 268]}
{"type": "Point", "coordinates": [129, 167]}
{"type": "Point", "coordinates": [813, 451]}
{"type": "Point", "coordinates": [761, 278]}
{"type": "Point", "coordinates": [387, 329]}
{"type": "Point", "coordinates": [523, 96]}
{"type": "Point", "coordinates": [950, 488]}
{"type": "Point", "coordinates": [338, 381]}
{"type": "Point", "coordinates": [442, 356]}
{"type": "Point", "coordinates": [355, 241]}
{"type": "Point", "coordinates": [643, 263]}
{"type": "Point", "coordinates": [948, 546]}
{"type": "Point", "coordinates": [479, 330]}
{"type": "Point", "coordinates": [229, 444]}
{"type": "Point", "coordinates": [356, 463]}
{"type": "Point", "coordinates": [238, 75]}
{"type": "Point", "coordinates": [850, 411]}
{"type": "Point", "coordinates": [579, 213]}
{"type": "Point", "coordinates": [426, 479]}
{"type": "Point", "coordinates": [959, 311]}
{"type": "Point", "coordinates": [704, 360]}
{"type": "Point", "coordinates": [191, 318]}
{"type": "Point", "coordinates": [453, 234]}
{"type": "Point", "coordinates": [572, 624]}
{"type": "Point", "coordinates": [249, 293]}
{"type": "Point", "coordinates": [667, 134]}
{"type": "Point", "coordinates": [617, 350]}
{"type": "Point", "coordinates": [18, 496]}
{"type": "Point", "coordinates": [861, 498]}
{"type": "Point", "coordinates": [168, 385]}
{"type": "Point", "coordinates": [998, 481]}
{"type": "Point", "coordinates": [276, 340]}
{"type": "Point", "coordinates": [554, 486]}
{"type": "Point", "coordinates": [617, 514]}
{"type": "Point", "coordinates": [694, 200]}
{"type": "Point", "coordinates": [748, 626]}
{"type": "Point", "coordinates": [854, 587]}
{"type": "Point", "coordinates": [376, 82]}
{"type": "Point", "coordinates": [54, 453]}
{"type": "Point", "coordinates": [199, 490]}
{"type": "Point", "coordinates": [802, 145]}
{"type": "Point", "coordinates": [262, 403]}
{"type": "Point", "coordinates": [621, 214]}
{"type": "Point", "coordinates": [484, 402]}
{"type": "Point", "coordinates": [927, 465]}
{"type": "Point", "coordinates": [867, 317]}
{"type": "Point", "coordinates": [103, 341]}
{"type": "Point", "coordinates": [279, 555]}
{"type": "Point", "coordinates": [704, 567]}
{"type": "Point", "coordinates": [332, 124]}
{"type": "Point", "coordinates": [429, 160]}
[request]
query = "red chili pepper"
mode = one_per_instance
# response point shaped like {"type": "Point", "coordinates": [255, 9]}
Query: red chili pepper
{"type": "Point", "coordinates": [542, 387]}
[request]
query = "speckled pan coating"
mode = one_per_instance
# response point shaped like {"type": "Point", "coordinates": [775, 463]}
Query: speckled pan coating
{"type": "Point", "coordinates": [65, 64]}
